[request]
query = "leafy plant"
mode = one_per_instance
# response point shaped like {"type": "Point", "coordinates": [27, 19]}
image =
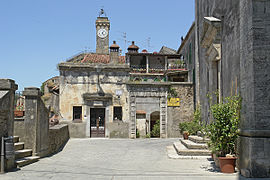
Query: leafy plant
{"type": "Point", "coordinates": [147, 135]}
{"type": "Point", "coordinates": [192, 126]}
{"type": "Point", "coordinates": [172, 93]}
{"type": "Point", "coordinates": [156, 129]}
{"type": "Point", "coordinates": [223, 131]}
{"type": "Point", "coordinates": [137, 133]}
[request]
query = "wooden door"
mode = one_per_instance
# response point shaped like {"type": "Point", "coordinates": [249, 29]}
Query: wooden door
{"type": "Point", "coordinates": [97, 122]}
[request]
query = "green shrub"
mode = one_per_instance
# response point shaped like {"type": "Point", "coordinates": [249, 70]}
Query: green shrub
{"type": "Point", "coordinates": [192, 126]}
{"type": "Point", "coordinates": [137, 134]}
{"type": "Point", "coordinates": [147, 135]}
{"type": "Point", "coordinates": [223, 131]}
{"type": "Point", "coordinates": [156, 129]}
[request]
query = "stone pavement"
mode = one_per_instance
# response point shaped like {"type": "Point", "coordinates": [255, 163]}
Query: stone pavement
{"type": "Point", "coordinates": [116, 159]}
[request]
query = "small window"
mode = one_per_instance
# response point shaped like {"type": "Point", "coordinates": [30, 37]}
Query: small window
{"type": "Point", "coordinates": [117, 113]}
{"type": "Point", "coordinates": [77, 112]}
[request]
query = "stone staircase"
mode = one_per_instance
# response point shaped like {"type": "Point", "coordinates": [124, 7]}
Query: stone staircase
{"type": "Point", "coordinates": [23, 156]}
{"type": "Point", "coordinates": [194, 147]}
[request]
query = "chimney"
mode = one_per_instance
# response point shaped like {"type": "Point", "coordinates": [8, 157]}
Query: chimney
{"type": "Point", "coordinates": [114, 53]}
{"type": "Point", "coordinates": [133, 48]}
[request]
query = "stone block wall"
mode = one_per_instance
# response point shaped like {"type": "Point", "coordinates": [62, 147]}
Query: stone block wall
{"type": "Point", "coordinates": [245, 70]}
{"type": "Point", "coordinates": [228, 12]}
{"type": "Point", "coordinates": [58, 137]}
{"type": "Point", "coordinates": [118, 129]}
{"type": "Point", "coordinates": [19, 129]}
{"type": "Point", "coordinates": [76, 130]}
{"type": "Point", "coordinates": [36, 122]}
{"type": "Point", "coordinates": [254, 158]}
{"type": "Point", "coordinates": [7, 94]}
{"type": "Point", "coordinates": [182, 113]}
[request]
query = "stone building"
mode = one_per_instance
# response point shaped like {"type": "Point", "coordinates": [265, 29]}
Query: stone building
{"type": "Point", "coordinates": [232, 58]}
{"type": "Point", "coordinates": [187, 54]}
{"type": "Point", "coordinates": [104, 94]}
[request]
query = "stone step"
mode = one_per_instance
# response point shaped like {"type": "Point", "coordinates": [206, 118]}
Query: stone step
{"type": "Point", "coordinates": [23, 153]}
{"type": "Point", "coordinates": [18, 146]}
{"type": "Point", "coordinates": [26, 160]}
{"type": "Point", "coordinates": [192, 145]}
{"type": "Point", "coordinates": [15, 139]}
{"type": "Point", "coordinates": [198, 139]}
{"type": "Point", "coordinates": [184, 151]}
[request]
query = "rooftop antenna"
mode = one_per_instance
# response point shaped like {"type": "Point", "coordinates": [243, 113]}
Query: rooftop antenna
{"type": "Point", "coordinates": [149, 46]}
{"type": "Point", "coordinates": [124, 38]}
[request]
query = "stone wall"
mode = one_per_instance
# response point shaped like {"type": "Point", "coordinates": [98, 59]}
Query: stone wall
{"type": "Point", "coordinates": [58, 137]}
{"type": "Point", "coordinates": [255, 88]}
{"type": "Point", "coordinates": [228, 12]}
{"type": "Point", "coordinates": [7, 94]}
{"type": "Point", "coordinates": [245, 68]}
{"type": "Point", "coordinates": [77, 80]}
{"type": "Point", "coordinates": [36, 122]}
{"type": "Point", "coordinates": [76, 130]}
{"type": "Point", "coordinates": [118, 129]}
{"type": "Point", "coordinates": [182, 113]}
{"type": "Point", "coordinates": [19, 128]}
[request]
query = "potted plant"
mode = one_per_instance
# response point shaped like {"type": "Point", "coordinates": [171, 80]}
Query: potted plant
{"type": "Point", "coordinates": [185, 134]}
{"type": "Point", "coordinates": [223, 132]}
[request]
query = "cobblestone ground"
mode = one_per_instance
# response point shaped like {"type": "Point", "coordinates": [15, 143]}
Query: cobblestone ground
{"type": "Point", "coordinates": [117, 159]}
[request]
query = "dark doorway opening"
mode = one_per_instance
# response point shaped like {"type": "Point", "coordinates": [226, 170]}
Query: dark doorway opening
{"type": "Point", "coordinates": [97, 122]}
{"type": "Point", "coordinates": [155, 124]}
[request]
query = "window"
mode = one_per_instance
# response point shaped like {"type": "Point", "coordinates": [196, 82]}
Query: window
{"type": "Point", "coordinates": [190, 53]}
{"type": "Point", "coordinates": [77, 112]}
{"type": "Point", "coordinates": [117, 113]}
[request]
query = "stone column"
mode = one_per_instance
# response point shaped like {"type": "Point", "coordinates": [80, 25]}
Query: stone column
{"type": "Point", "coordinates": [132, 130]}
{"type": "Point", "coordinates": [36, 122]}
{"type": "Point", "coordinates": [254, 141]}
{"type": "Point", "coordinates": [147, 64]}
{"type": "Point", "coordinates": [163, 117]}
{"type": "Point", "coordinates": [7, 94]}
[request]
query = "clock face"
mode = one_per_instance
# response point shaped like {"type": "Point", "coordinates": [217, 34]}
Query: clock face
{"type": "Point", "coordinates": [102, 33]}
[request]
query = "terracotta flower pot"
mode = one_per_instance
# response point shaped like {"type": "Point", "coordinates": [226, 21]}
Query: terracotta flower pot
{"type": "Point", "coordinates": [185, 135]}
{"type": "Point", "coordinates": [227, 164]}
{"type": "Point", "coordinates": [18, 113]}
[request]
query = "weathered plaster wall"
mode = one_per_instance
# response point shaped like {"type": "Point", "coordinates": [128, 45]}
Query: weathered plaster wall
{"type": "Point", "coordinates": [76, 130]}
{"type": "Point", "coordinates": [58, 137]}
{"type": "Point", "coordinates": [36, 122]}
{"type": "Point", "coordinates": [188, 52]}
{"type": "Point", "coordinates": [19, 129]}
{"type": "Point", "coordinates": [228, 12]}
{"type": "Point", "coordinates": [75, 83]}
{"type": "Point", "coordinates": [118, 129]}
{"type": "Point", "coordinates": [182, 113]}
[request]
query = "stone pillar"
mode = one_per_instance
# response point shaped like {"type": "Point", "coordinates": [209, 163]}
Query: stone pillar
{"type": "Point", "coordinates": [163, 117]}
{"type": "Point", "coordinates": [36, 122]}
{"type": "Point", "coordinates": [147, 64]}
{"type": "Point", "coordinates": [132, 117]}
{"type": "Point", "coordinates": [254, 141]}
{"type": "Point", "coordinates": [7, 94]}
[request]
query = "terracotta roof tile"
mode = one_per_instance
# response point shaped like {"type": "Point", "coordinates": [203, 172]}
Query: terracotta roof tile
{"type": "Point", "coordinates": [95, 58]}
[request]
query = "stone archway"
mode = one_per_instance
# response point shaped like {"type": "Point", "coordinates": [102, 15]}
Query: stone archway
{"type": "Point", "coordinates": [137, 91]}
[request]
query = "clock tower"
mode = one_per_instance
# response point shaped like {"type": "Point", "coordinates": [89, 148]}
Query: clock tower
{"type": "Point", "coordinates": [102, 34]}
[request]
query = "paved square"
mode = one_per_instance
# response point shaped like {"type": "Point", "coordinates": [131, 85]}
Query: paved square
{"type": "Point", "coordinates": [117, 159]}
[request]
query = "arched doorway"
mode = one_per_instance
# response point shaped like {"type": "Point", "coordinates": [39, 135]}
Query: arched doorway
{"type": "Point", "coordinates": [155, 124]}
